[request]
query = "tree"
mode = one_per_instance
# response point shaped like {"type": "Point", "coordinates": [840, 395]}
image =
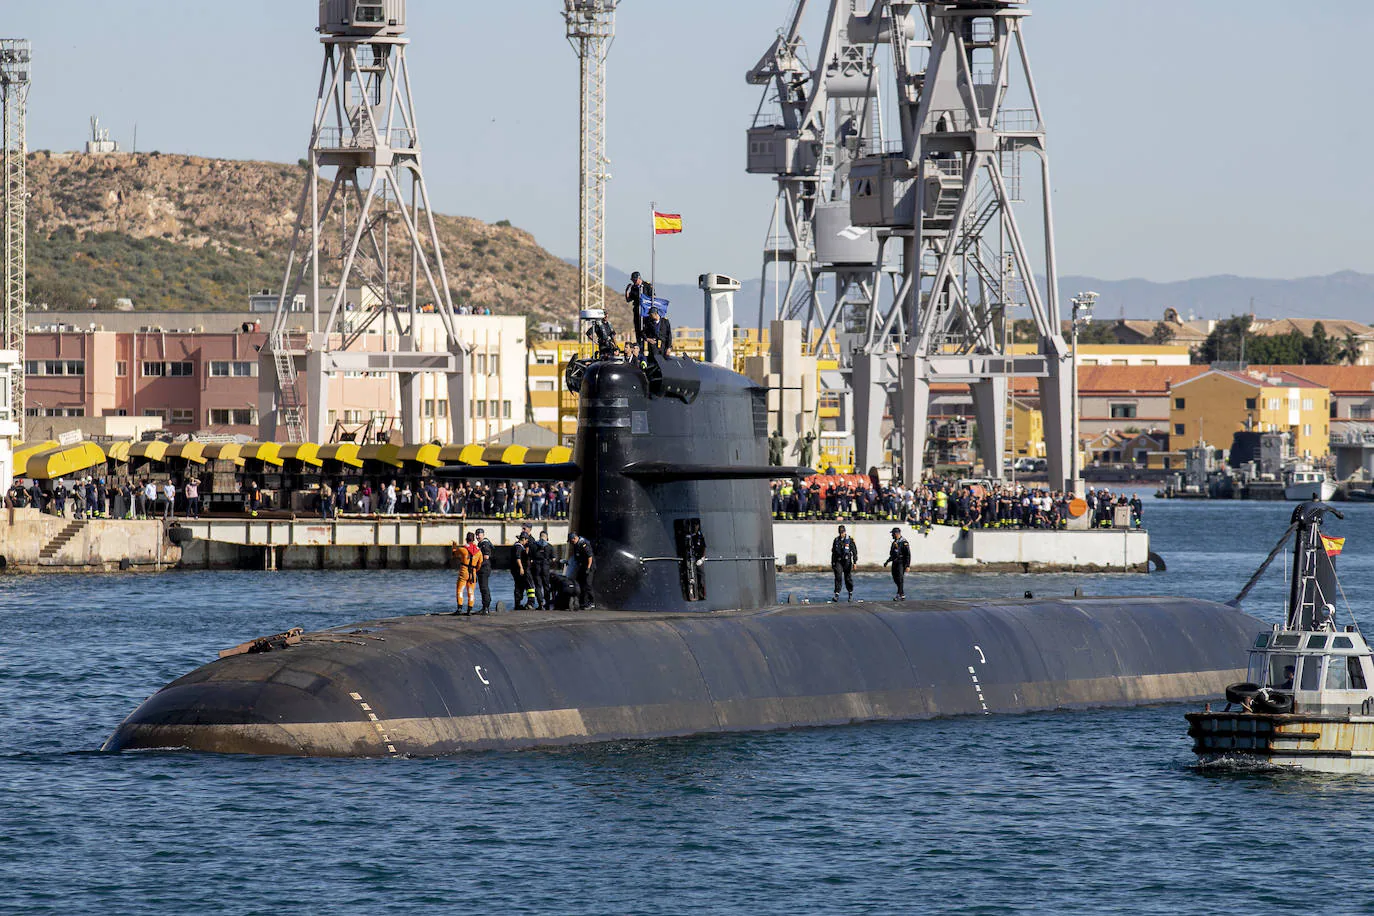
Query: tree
{"type": "Point", "coordinates": [1227, 340]}
{"type": "Point", "coordinates": [1350, 350]}
{"type": "Point", "coordinates": [1161, 334]}
{"type": "Point", "coordinates": [1320, 350]}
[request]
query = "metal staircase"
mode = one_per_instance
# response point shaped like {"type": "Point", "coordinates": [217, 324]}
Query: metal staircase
{"type": "Point", "coordinates": [288, 397]}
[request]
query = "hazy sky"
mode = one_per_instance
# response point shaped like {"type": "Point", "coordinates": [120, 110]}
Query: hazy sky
{"type": "Point", "coordinates": [1186, 138]}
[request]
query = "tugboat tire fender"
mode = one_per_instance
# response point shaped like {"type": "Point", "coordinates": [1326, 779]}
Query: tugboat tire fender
{"type": "Point", "coordinates": [1239, 693]}
{"type": "Point", "coordinates": [1273, 702]}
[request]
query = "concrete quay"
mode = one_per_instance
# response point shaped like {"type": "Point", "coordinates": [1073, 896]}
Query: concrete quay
{"type": "Point", "coordinates": [412, 542]}
{"type": "Point", "coordinates": [33, 542]}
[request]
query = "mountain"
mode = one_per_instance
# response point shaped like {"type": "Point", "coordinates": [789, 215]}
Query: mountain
{"type": "Point", "coordinates": [187, 232]}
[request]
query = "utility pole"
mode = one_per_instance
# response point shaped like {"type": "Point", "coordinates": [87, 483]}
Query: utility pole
{"type": "Point", "coordinates": [591, 29]}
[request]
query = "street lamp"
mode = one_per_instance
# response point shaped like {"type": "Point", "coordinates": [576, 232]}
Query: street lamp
{"type": "Point", "coordinates": [1082, 313]}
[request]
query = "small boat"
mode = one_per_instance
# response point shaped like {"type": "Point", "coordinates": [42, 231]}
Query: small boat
{"type": "Point", "coordinates": [1309, 483]}
{"type": "Point", "coordinates": [1307, 704]}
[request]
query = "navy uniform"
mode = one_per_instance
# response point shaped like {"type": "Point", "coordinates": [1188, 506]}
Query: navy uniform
{"type": "Point", "coordinates": [520, 572]}
{"type": "Point", "coordinates": [696, 560]}
{"type": "Point", "coordinates": [582, 561]}
{"type": "Point", "coordinates": [844, 554]}
{"type": "Point", "coordinates": [541, 553]}
{"type": "Point", "coordinates": [484, 571]}
{"type": "Point", "coordinates": [899, 556]}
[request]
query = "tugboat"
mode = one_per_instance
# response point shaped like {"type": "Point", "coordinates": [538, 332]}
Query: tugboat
{"type": "Point", "coordinates": [1307, 704]}
{"type": "Point", "coordinates": [1306, 483]}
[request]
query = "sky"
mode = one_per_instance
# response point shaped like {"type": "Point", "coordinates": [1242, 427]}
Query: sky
{"type": "Point", "coordinates": [1186, 139]}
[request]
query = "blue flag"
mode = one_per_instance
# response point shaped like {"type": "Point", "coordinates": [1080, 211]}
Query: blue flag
{"type": "Point", "coordinates": [650, 302]}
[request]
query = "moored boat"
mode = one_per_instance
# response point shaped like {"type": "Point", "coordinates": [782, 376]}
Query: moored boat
{"type": "Point", "coordinates": [1307, 704]}
{"type": "Point", "coordinates": [1309, 483]}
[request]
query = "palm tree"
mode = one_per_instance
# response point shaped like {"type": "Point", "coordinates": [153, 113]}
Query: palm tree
{"type": "Point", "coordinates": [1350, 350]}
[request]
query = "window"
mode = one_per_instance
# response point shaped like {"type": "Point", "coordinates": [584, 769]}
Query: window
{"type": "Point", "coordinates": [480, 363]}
{"type": "Point", "coordinates": [223, 368]}
{"type": "Point", "coordinates": [1306, 403]}
{"type": "Point", "coordinates": [154, 369]}
{"type": "Point", "coordinates": [1123, 411]}
{"type": "Point", "coordinates": [333, 417]}
{"type": "Point", "coordinates": [1311, 673]}
{"type": "Point", "coordinates": [543, 358]}
{"type": "Point", "coordinates": [1307, 429]}
{"type": "Point", "coordinates": [442, 408]}
{"type": "Point", "coordinates": [1178, 429]}
{"type": "Point", "coordinates": [55, 367]}
{"type": "Point", "coordinates": [219, 368]}
{"type": "Point", "coordinates": [1357, 681]}
{"type": "Point", "coordinates": [505, 410]}
{"type": "Point", "coordinates": [1361, 412]}
{"type": "Point", "coordinates": [1250, 403]}
{"type": "Point", "coordinates": [1337, 675]}
{"type": "Point", "coordinates": [1149, 362]}
{"type": "Point", "coordinates": [495, 408]}
{"type": "Point", "coordinates": [155, 412]}
{"type": "Point", "coordinates": [182, 416]}
{"type": "Point", "coordinates": [546, 384]}
{"type": "Point", "coordinates": [182, 369]}
{"type": "Point", "coordinates": [121, 368]}
{"type": "Point", "coordinates": [33, 412]}
{"type": "Point", "coordinates": [1178, 403]}
{"type": "Point", "coordinates": [479, 409]}
{"type": "Point", "coordinates": [31, 368]}
{"type": "Point", "coordinates": [233, 416]}
{"type": "Point", "coordinates": [495, 364]}
{"type": "Point", "coordinates": [429, 408]}
{"type": "Point", "coordinates": [1274, 403]}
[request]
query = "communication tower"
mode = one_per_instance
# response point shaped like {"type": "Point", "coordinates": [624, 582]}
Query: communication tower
{"type": "Point", "coordinates": [368, 256]}
{"type": "Point", "coordinates": [15, 56]}
{"type": "Point", "coordinates": [591, 29]}
{"type": "Point", "coordinates": [948, 195]}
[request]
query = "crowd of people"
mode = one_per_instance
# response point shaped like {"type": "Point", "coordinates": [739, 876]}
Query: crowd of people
{"type": "Point", "coordinates": [948, 501]}
{"type": "Point", "coordinates": [96, 497]}
{"type": "Point", "coordinates": [499, 499]}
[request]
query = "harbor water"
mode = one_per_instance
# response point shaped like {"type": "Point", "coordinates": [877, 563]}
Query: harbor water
{"type": "Point", "coordinates": [1096, 811]}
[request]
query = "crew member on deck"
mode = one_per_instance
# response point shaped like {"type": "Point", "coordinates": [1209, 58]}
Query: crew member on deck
{"type": "Point", "coordinates": [600, 329]}
{"type": "Point", "coordinates": [469, 560]}
{"type": "Point", "coordinates": [582, 561]}
{"type": "Point", "coordinates": [541, 554]}
{"type": "Point", "coordinates": [484, 570]}
{"type": "Point", "coordinates": [520, 571]}
{"type": "Point", "coordinates": [899, 555]}
{"type": "Point", "coordinates": [844, 554]}
{"type": "Point", "coordinates": [696, 563]}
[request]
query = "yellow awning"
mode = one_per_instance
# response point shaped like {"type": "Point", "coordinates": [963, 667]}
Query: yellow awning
{"type": "Point", "coordinates": [266, 452]}
{"type": "Point", "coordinates": [304, 452]}
{"type": "Point", "coordinates": [23, 450]}
{"type": "Point", "coordinates": [152, 449]}
{"type": "Point", "coordinates": [386, 454]}
{"type": "Point", "coordinates": [225, 451]}
{"type": "Point", "coordinates": [63, 460]}
{"type": "Point", "coordinates": [119, 451]}
{"type": "Point", "coordinates": [342, 452]}
{"type": "Point", "coordinates": [427, 454]}
{"type": "Point", "coordinates": [553, 454]}
{"type": "Point", "coordinates": [187, 451]}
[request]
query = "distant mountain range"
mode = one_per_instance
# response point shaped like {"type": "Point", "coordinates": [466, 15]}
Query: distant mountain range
{"type": "Point", "coordinates": [1346, 294]}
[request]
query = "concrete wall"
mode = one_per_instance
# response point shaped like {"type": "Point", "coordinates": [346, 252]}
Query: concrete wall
{"type": "Point", "coordinates": [94, 544]}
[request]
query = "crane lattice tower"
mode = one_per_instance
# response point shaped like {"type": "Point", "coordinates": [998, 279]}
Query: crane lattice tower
{"type": "Point", "coordinates": [590, 30]}
{"type": "Point", "coordinates": [948, 195]}
{"type": "Point", "coordinates": [15, 56]}
{"type": "Point", "coordinates": [369, 254]}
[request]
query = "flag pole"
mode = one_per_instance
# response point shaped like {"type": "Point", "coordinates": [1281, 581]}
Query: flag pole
{"type": "Point", "coordinates": [653, 246]}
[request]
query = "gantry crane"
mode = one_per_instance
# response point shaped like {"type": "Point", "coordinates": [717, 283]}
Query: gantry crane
{"type": "Point", "coordinates": [15, 60]}
{"type": "Point", "coordinates": [590, 30]}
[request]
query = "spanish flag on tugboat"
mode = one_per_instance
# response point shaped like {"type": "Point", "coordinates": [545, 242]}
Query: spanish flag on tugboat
{"type": "Point", "coordinates": [1333, 546]}
{"type": "Point", "coordinates": [667, 223]}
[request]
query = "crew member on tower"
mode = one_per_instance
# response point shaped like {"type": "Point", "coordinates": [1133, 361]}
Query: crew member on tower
{"type": "Point", "coordinates": [899, 555]}
{"type": "Point", "coordinates": [844, 553]}
{"type": "Point", "coordinates": [696, 562]}
{"type": "Point", "coordinates": [638, 288]}
{"type": "Point", "coordinates": [657, 332]}
{"type": "Point", "coordinates": [582, 561]}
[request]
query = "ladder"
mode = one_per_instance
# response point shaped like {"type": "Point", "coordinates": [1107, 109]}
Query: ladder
{"type": "Point", "coordinates": [288, 397]}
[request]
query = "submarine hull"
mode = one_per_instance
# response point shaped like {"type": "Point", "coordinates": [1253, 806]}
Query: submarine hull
{"type": "Point", "coordinates": [436, 685]}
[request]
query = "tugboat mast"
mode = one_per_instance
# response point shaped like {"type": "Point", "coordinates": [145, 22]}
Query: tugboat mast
{"type": "Point", "coordinates": [1314, 575]}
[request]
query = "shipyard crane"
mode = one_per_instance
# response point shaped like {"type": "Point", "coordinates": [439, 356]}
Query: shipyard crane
{"type": "Point", "coordinates": [820, 118]}
{"type": "Point", "coordinates": [368, 256]}
{"type": "Point", "coordinates": [15, 60]}
{"type": "Point", "coordinates": [590, 31]}
{"type": "Point", "coordinates": [947, 194]}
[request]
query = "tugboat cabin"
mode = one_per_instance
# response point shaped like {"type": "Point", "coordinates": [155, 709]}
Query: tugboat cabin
{"type": "Point", "coordinates": [1324, 672]}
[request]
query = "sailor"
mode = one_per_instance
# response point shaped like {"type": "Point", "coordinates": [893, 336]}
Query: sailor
{"type": "Point", "coordinates": [696, 562]}
{"type": "Point", "coordinates": [844, 553]}
{"type": "Point", "coordinates": [469, 560]}
{"type": "Point", "coordinates": [633, 293]}
{"type": "Point", "coordinates": [899, 556]}
{"type": "Point", "coordinates": [657, 332]}
{"type": "Point", "coordinates": [1137, 509]}
{"type": "Point", "coordinates": [541, 553]}
{"type": "Point", "coordinates": [1288, 671]}
{"type": "Point", "coordinates": [562, 590]}
{"type": "Point", "coordinates": [582, 561]}
{"type": "Point", "coordinates": [601, 330]}
{"type": "Point", "coordinates": [484, 570]}
{"type": "Point", "coordinates": [520, 572]}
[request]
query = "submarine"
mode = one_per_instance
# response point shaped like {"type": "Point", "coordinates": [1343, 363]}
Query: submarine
{"type": "Point", "coordinates": [663, 444]}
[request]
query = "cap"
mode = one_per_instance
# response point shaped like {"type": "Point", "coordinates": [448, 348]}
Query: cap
{"type": "Point", "coordinates": [896, 531]}
{"type": "Point", "coordinates": [634, 276]}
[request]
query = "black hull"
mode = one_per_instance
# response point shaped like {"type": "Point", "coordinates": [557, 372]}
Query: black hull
{"type": "Point", "coordinates": [436, 685]}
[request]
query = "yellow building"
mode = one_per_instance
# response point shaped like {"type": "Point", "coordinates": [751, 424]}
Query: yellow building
{"type": "Point", "coordinates": [1212, 406]}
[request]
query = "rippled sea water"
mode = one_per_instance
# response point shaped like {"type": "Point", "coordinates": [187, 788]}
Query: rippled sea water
{"type": "Point", "coordinates": [1098, 811]}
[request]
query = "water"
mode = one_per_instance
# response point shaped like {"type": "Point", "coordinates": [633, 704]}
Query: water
{"type": "Point", "coordinates": [1100, 811]}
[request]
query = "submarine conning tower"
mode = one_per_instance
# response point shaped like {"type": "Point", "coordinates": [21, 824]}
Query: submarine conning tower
{"type": "Point", "coordinates": [664, 444]}
{"type": "Point", "coordinates": [662, 447]}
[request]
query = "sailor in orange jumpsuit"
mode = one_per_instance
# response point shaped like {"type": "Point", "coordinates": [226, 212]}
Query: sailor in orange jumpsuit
{"type": "Point", "coordinates": [469, 558]}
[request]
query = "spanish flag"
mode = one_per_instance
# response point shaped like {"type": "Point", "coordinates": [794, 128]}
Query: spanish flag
{"type": "Point", "coordinates": [1332, 545]}
{"type": "Point", "coordinates": [667, 223]}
